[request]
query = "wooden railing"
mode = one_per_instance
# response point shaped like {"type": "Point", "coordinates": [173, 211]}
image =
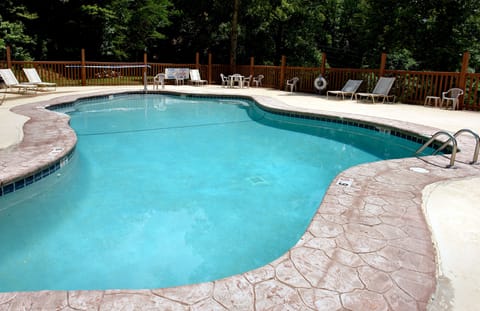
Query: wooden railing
{"type": "Point", "coordinates": [410, 87]}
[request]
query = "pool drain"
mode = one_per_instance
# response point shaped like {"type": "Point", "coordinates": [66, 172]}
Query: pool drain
{"type": "Point", "coordinates": [256, 180]}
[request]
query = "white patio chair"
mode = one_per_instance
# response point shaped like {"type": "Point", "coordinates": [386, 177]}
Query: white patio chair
{"type": "Point", "coordinates": [258, 80]}
{"type": "Point", "coordinates": [159, 79]}
{"type": "Point", "coordinates": [246, 81]}
{"type": "Point", "coordinates": [291, 84]}
{"type": "Point", "coordinates": [224, 80]}
{"type": "Point", "coordinates": [451, 95]}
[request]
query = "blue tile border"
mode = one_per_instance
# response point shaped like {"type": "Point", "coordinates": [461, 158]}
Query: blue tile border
{"type": "Point", "coordinates": [355, 123]}
{"type": "Point", "coordinates": [37, 176]}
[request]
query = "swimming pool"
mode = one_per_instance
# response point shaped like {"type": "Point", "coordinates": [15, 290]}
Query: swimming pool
{"type": "Point", "coordinates": [175, 138]}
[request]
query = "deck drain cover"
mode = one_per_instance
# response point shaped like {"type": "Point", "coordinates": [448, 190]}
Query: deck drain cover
{"type": "Point", "coordinates": [345, 182]}
{"type": "Point", "coordinates": [419, 170]}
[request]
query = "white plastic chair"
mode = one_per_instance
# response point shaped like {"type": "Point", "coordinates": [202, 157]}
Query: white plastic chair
{"type": "Point", "coordinates": [292, 84]}
{"type": "Point", "coordinates": [246, 81]}
{"type": "Point", "coordinates": [258, 80]}
{"type": "Point", "coordinates": [159, 79]}
{"type": "Point", "coordinates": [224, 80]}
{"type": "Point", "coordinates": [451, 95]}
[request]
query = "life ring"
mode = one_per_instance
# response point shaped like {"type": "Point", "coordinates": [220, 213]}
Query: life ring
{"type": "Point", "coordinates": [320, 83]}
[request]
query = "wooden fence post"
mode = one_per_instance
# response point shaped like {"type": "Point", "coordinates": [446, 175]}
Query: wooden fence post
{"type": "Point", "coordinates": [210, 68]}
{"type": "Point", "coordinates": [197, 60]}
{"type": "Point", "coordinates": [144, 71]}
{"type": "Point", "coordinates": [83, 71]}
{"type": "Point", "coordinates": [9, 57]}
{"type": "Point", "coordinates": [252, 66]}
{"type": "Point", "coordinates": [383, 63]}
{"type": "Point", "coordinates": [322, 66]}
{"type": "Point", "coordinates": [462, 82]}
{"type": "Point", "coordinates": [282, 72]}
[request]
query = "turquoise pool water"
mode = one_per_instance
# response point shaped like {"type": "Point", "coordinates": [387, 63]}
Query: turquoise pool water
{"type": "Point", "coordinates": [166, 190]}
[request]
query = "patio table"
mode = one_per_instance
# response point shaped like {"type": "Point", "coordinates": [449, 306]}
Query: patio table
{"type": "Point", "coordinates": [436, 100]}
{"type": "Point", "coordinates": [235, 79]}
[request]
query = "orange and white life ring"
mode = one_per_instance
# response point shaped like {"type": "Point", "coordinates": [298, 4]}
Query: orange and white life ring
{"type": "Point", "coordinates": [320, 83]}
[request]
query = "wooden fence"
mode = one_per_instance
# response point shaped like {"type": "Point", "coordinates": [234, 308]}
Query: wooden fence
{"type": "Point", "coordinates": [410, 87]}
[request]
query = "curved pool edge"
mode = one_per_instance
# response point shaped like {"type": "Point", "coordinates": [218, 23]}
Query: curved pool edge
{"type": "Point", "coordinates": [368, 245]}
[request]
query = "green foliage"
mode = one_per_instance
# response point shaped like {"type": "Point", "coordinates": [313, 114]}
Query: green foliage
{"type": "Point", "coordinates": [423, 35]}
{"type": "Point", "coordinates": [401, 59]}
{"type": "Point", "coordinates": [12, 29]}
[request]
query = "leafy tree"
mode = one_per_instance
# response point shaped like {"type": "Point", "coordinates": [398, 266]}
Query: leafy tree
{"type": "Point", "coordinates": [416, 34]}
{"type": "Point", "coordinates": [454, 29]}
{"type": "Point", "coordinates": [344, 26]}
{"type": "Point", "coordinates": [200, 26]}
{"type": "Point", "coordinates": [13, 20]}
{"type": "Point", "coordinates": [147, 19]}
{"type": "Point", "coordinates": [285, 27]}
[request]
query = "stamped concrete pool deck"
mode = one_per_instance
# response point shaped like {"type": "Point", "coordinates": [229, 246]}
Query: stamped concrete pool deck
{"type": "Point", "coordinates": [369, 246]}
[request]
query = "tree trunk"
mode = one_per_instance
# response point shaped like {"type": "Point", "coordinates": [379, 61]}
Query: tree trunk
{"type": "Point", "coordinates": [234, 34]}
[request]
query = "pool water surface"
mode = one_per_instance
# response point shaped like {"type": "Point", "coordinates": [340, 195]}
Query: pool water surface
{"type": "Point", "coordinates": [165, 190]}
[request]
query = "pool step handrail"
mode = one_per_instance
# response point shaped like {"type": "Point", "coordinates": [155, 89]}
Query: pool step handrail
{"type": "Point", "coordinates": [451, 138]}
{"type": "Point", "coordinates": [477, 143]}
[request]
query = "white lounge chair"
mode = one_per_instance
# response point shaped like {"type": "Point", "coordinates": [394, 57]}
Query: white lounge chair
{"type": "Point", "coordinates": [195, 77]}
{"type": "Point", "coordinates": [381, 90]}
{"type": "Point", "coordinates": [34, 78]}
{"type": "Point", "coordinates": [11, 82]}
{"type": "Point", "coordinates": [349, 89]}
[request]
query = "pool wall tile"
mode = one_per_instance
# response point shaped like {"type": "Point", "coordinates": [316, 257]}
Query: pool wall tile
{"type": "Point", "coordinates": [30, 179]}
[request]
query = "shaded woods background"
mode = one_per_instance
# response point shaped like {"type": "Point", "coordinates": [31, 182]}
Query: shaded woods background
{"type": "Point", "coordinates": [416, 34]}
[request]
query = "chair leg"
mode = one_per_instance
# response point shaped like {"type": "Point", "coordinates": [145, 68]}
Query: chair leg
{"type": "Point", "coordinates": [447, 101]}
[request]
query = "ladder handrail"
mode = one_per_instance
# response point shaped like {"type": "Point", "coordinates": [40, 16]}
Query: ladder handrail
{"type": "Point", "coordinates": [450, 138]}
{"type": "Point", "coordinates": [477, 143]}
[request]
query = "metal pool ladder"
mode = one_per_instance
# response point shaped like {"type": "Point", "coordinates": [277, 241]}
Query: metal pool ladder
{"type": "Point", "coordinates": [453, 140]}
